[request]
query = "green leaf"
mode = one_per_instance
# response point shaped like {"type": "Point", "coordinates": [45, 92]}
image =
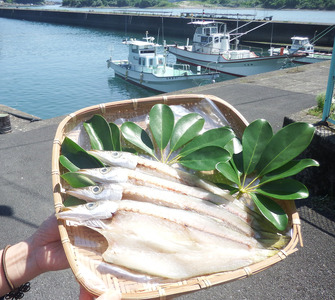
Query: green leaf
{"type": "Point", "coordinates": [66, 163]}
{"type": "Point", "coordinates": [284, 146]}
{"type": "Point", "coordinates": [234, 146]}
{"type": "Point", "coordinates": [255, 138]}
{"type": "Point", "coordinates": [214, 137]}
{"type": "Point", "coordinates": [205, 159]}
{"type": "Point", "coordinates": [73, 201]}
{"type": "Point", "coordinates": [226, 169]}
{"type": "Point", "coordinates": [271, 210]}
{"type": "Point", "coordinates": [78, 156]}
{"type": "Point", "coordinates": [77, 180]}
{"type": "Point", "coordinates": [291, 168]}
{"type": "Point", "coordinates": [186, 128]}
{"type": "Point", "coordinates": [138, 137]}
{"type": "Point", "coordinates": [116, 137]}
{"type": "Point", "coordinates": [161, 121]}
{"type": "Point", "coordinates": [284, 189]}
{"type": "Point", "coordinates": [99, 133]}
{"type": "Point", "coordinates": [237, 161]}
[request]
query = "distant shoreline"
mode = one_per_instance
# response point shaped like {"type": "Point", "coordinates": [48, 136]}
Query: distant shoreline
{"type": "Point", "coordinates": [176, 5]}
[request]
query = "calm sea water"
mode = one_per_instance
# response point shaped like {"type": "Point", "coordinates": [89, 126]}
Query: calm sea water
{"type": "Point", "coordinates": [50, 70]}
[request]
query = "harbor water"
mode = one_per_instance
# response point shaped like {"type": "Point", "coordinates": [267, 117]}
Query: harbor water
{"type": "Point", "coordinates": [50, 70]}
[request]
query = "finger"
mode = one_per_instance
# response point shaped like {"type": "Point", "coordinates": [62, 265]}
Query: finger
{"type": "Point", "coordinates": [110, 295]}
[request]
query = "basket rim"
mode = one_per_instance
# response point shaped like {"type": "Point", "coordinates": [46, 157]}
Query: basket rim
{"type": "Point", "coordinates": [184, 286]}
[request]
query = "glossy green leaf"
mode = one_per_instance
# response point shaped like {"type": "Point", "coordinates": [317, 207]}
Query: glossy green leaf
{"type": "Point", "coordinates": [255, 138]}
{"type": "Point", "coordinates": [186, 128]}
{"type": "Point", "coordinates": [161, 121]}
{"type": "Point", "coordinates": [271, 210]}
{"type": "Point", "coordinates": [291, 168]}
{"type": "Point", "coordinates": [205, 159]}
{"type": "Point", "coordinates": [99, 133]}
{"type": "Point", "coordinates": [234, 146]}
{"type": "Point", "coordinates": [78, 156]}
{"type": "Point", "coordinates": [116, 137]}
{"type": "Point", "coordinates": [73, 201]}
{"type": "Point", "coordinates": [237, 161]}
{"type": "Point", "coordinates": [218, 137]}
{"type": "Point", "coordinates": [66, 163]}
{"type": "Point", "coordinates": [284, 146]}
{"type": "Point", "coordinates": [284, 189]}
{"type": "Point", "coordinates": [227, 170]}
{"type": "Point", "coordinates": [77, 180]}
{"type": "Point", "coordinates": [137, 136]}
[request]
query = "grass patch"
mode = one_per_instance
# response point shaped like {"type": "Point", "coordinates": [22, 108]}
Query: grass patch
{"type": "Point", "coordinates": [317, 111]}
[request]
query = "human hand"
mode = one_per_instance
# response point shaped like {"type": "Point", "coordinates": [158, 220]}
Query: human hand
{"type": "Point", "coordinates": [46, 247]}
{"type": "Point", "coordinates": [109, 295]}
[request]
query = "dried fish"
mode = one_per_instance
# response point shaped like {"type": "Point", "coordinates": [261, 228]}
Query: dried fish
{"type": "Point", "coordinates": [165, 242]}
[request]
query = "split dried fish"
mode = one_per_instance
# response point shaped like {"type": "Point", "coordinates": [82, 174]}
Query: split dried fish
{"type": "Point", "coordinates": [119, 191]}
{"type": "Point", "coordinates": [121, 175]}
{"type": "Point", "coordinates": [165, 242]}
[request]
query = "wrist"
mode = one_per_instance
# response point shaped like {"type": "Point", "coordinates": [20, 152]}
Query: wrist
{"type": "Point", "coordinates": [20, 263]}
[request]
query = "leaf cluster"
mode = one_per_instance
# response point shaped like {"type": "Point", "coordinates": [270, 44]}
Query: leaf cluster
{"type": "Point", "coordinates": [261, 171]}
{"type": "Point", "coordinates": [181, 139]}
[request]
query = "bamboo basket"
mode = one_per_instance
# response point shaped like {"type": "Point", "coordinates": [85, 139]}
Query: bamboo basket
{"type": "Point", "coordinates": [84, 246]}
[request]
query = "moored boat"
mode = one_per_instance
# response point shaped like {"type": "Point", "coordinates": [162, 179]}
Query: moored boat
{"type": "Point", "coordinates": [149, 68]}
{"type": "Point", "coordinates": [302, 51]}
{"type": "Point", "coordinates": [211, 49]}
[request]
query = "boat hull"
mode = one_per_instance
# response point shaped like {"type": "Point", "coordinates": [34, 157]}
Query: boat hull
{"type": "Point", "coordinates": [162, 84]}
{"type": "Point", "coordinates": [311, 59]}
{"type": "Point", "coordinates": [237, 67]}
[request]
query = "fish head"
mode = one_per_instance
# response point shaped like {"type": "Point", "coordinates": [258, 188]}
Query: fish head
{"type": "Point", "coordinates": [89, 211]}
{"type": "Point", "coordinates": [116, 158]}
{"type": "Point", "coordinates": [106, 174]}
{"type": "Point", "coordinates": [97, 192]}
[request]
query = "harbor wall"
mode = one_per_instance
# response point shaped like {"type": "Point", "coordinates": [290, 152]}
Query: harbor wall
{"type": "Point", "coordinates": [274, 32]}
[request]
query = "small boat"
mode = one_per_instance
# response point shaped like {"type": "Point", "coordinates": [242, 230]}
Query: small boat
{"type": "Point", "coordinates": [302, 51]}
{"type": "Point", "coordinates": [148, 68]}
{"type": "Point", "coordinates": [211, 49]}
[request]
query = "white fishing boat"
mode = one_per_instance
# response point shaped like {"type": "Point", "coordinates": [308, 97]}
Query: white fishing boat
{"type": "Point", "coordinates": [149, 68]}
{"type": "Point", "coordinates": [211, 48]}
{"type": "Point", "coordinates": [302, 51]}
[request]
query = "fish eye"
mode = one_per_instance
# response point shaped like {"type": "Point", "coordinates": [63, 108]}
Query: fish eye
{"type": "Point", "coordinates": [116, 154]}
{"type": "Point", "coordinates": [96, 189]}
{"type": "Point", "coordinates": [90, 205]}
{"type": "Point", "coordinates": [104, 170]}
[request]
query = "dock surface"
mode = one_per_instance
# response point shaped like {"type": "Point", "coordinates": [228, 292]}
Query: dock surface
{"type": "Point", "coordinates": [26, 192]}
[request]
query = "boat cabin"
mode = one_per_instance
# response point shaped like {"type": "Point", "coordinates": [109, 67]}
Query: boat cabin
{"type": "Point", "coordinates": [301, 44]}
{"type": "Point", "coordinates": [208, 39]}
{"type": "Point", "coordinates": [143, 54]}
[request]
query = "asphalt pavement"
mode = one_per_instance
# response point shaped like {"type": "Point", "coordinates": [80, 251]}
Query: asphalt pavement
{"type": "Point", "coordinates": [26, 192]}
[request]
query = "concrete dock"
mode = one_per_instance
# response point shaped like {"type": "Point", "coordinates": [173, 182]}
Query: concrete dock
{"type": "Point", "coordinates": [26, 192]}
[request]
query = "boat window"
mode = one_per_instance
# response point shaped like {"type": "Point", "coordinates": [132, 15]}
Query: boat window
{"type": "Point", "coordinates": [141, 61]}
{"type": "Point", "coordinates": [207, 31]}
{"type": "Point", "coordinates": [214, 30]}
{"type": "Point", "coordinates": [147, 51]}
{"type": "Point", "coordinates": [204, 39]}
{"type": "Point", "coordinates": [198, 30]}
{"type": "Point", "coordinates": [134, 49]}
{"type": "Point", "coordinates": [160, 61]}
{"type": "Point", "coordinates": [151, 62]}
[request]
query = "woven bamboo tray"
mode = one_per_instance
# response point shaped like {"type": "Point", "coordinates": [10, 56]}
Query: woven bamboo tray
{"type": "Point", "coordinates": [84, 246]}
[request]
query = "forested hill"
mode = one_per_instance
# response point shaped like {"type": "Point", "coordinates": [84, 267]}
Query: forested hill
{"type": "Point", "coordinates": [274, 4]}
